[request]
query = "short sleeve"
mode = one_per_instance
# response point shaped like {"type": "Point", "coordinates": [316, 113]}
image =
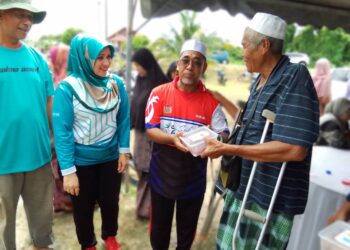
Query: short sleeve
{"type": "Point", "coordinates": [218, 121]}
{"type": "Point", "coordinates": [297, 113]}
{"type": "Point", "coordinates": [44, 71]}
{"type": "Point", "coordinates": [153, 109]}
{"type": "Point", "coordinates": [47, 77]}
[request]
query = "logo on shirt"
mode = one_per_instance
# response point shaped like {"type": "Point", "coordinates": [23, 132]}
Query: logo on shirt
{"type": "Point", "coordinates": [200, 117]}
{"type": "Point", "coordinates": [168, 109]}
{"type": "Point", "coordinates": [150, 108]}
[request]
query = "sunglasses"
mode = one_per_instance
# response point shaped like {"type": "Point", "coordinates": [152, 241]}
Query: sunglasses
{"type": "Point", "coordinates": [195, 62]}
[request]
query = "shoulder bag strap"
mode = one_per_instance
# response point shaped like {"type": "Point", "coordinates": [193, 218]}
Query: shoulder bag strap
{"type": "Point", "coordinates": [250, 117]}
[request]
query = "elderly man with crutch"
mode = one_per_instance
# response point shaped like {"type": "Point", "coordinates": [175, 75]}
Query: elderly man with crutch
{"type": "Point", "coordinates": [259, 214]}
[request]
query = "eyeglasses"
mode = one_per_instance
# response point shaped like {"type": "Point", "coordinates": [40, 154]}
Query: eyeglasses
{"type": "Point", "coordinates": [195, 62]}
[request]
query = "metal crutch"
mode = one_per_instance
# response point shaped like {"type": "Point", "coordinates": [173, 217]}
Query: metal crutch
{"type": "Point", "coordinates": [270, 118]}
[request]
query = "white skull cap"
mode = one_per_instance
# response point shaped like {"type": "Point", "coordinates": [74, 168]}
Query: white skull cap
{"type": "Point", "coordinates": [269, 25]}
{"type": "Point", "coordinates": [194, 45]}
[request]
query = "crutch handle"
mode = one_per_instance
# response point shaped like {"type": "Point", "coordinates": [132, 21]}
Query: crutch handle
{"type": "Point", "coordinates": [269, 115]}
{"type": "Point", "coordinates": [254, 216]}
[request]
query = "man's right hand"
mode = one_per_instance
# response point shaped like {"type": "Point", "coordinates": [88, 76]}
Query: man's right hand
{"type": "Point", "coordinates": [71, 184]}
{"type": "Point", "coordinates": [178, 144]}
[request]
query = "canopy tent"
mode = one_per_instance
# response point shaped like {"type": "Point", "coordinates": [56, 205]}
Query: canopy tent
{"type": "Point", "coordinates": [330, 13]}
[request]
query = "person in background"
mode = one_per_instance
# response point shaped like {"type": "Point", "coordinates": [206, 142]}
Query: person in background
{"type": "Point", "coordinates": [343, 213]}
{"type": "Point", "coordinates": [334, 125]}
{"type": "Point", "coordinates": [171, 73]}
{"type": "Point", "coordinates": [287, 90]}
{"type": "Point", "coordinates": [58, 55]}
{"type": "Point", "coordinates": [25, 112]}
{"type": "Point", "coordinates": [91, 132]}
{"type": "Point", "coordinates": [322, 82]}
{"type": "Point", "coordinates": [176, 176]}
{"type": "Point", "coordinates": [149, 76]}
{"type": "Point", "coordinates": [347, 93]}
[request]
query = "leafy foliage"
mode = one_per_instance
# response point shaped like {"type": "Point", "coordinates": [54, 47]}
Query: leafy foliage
{"type": "Point", "coordinates": [290, 34]}
{"type": "Point", "coordinates": [140, 41]}
{"type": "Point", "coordinates": [68, 35]}
{"type": "Point", "coordinates": [169, 46]}
{"type": "Point", "coordinates": [45, 42]}
{"type": "Point", "coordinates": [317, 43]}
{"type": "Point", "coordinates": [323, 42]}
{"type": "Point", "coordinates": [235, 53]}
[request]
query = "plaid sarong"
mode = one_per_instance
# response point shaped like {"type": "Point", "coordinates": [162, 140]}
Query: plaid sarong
{"type": "Point", "coordinates": [276, 235]}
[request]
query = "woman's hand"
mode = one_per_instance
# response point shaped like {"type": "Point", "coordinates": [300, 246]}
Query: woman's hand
{"type": "Point", "coordinates": [71, 184]}
{"type": "Point", "coordinates": [123, 162]}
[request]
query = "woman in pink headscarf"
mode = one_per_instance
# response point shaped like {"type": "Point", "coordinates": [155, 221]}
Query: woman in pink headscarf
{"type": "Point", "coordinates": [322, 82]}
{"type": "Point", "coordinates": [58, 65]}
{"type": "Point", "coordinates": [58, 62]}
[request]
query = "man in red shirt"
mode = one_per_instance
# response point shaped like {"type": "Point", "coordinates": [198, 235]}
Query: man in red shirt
{"type": "Point", "coordinates": [176, 176]}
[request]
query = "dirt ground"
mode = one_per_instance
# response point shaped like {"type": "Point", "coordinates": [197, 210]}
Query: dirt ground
{"type": "Point", "coordinates": [132, 233]}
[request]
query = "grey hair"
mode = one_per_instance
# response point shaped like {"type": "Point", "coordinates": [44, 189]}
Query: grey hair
{"type": "Point", "coordinates": [255, 38]}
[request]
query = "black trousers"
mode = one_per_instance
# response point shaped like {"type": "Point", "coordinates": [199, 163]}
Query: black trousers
{"type": "Point", "coordinates": [162, 210]}
{"type": "Point", "coordinates": [98, 183]}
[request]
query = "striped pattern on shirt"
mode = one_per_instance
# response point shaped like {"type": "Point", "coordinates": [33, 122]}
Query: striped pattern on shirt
{"type": "Point", "coordinates": [290, 94]}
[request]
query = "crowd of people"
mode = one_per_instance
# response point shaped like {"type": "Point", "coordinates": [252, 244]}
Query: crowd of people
{"type": "Point", "coordinates": [65, 138]}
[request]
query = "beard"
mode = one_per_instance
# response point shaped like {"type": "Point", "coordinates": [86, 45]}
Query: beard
{"type": "Point", "coordinates": [188, 81]}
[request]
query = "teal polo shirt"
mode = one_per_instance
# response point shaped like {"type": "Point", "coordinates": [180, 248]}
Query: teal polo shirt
{"type": "Point", "coordinates": [25, 84]}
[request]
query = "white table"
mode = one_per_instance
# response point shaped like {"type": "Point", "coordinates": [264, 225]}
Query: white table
{"type": "Point", "coordinates": [330, 167]}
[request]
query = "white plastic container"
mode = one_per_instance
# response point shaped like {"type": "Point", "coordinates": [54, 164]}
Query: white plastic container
{"type": "Point", "coordinates": [336, 236]}
{"type": "Point", "coordinates": [194, 139]}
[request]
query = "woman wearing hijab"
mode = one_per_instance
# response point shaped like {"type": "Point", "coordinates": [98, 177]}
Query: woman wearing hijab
{"type": "Point", "coordinates": [171, 73]}
{"type": "Point", "coordinates": [322, 82]}
{"type": "Point", "coordinates": [58, 64]}
{"type": "Point", "coordinates": [91, 130]}
{"type": "Point", "coordinates": [149, 76]}
{"type": "Point", "coordinates": [334, 126]}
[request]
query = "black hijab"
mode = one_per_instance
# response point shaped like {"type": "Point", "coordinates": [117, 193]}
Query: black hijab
{"type": "Point", "coordinates": [144, 86]}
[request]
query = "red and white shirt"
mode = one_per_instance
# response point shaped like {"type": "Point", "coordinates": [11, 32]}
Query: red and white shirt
{"type": "Point", "coordinates": [173, 110]}
{"type": "Point", "coordinates": [173, 173]}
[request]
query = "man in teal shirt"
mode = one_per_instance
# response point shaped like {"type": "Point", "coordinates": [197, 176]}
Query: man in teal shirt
{"type": "Point", "coordinates": [25, 102]}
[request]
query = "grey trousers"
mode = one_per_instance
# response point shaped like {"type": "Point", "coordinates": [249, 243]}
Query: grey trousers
{"type": "Point", "coordinates": [36, 189]}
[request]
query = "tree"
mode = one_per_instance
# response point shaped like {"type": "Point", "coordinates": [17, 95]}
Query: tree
{"type": "Point", "coordinates": [323, 42]}
{"type": "Point", "coordinates": [174, 41]}
{"type": "Point", "coordinates": [68, 35]}
{"type": "Point", "coordinates": [46, 42]}
{"type": "Point", "coordinates": [170, 46]}
{"type": "Point", "coordinates": [140, 41]}
{"type": "Point", "coordinates": [290, 34]}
